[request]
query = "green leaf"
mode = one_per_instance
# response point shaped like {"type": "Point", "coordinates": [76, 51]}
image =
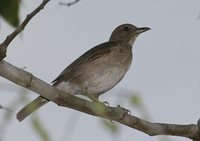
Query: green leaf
{"type": "Point", "coordinates": [9, 10]}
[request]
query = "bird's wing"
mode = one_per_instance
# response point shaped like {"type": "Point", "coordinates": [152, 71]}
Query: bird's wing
{"type": "Point", "coordinates": [91, 55]}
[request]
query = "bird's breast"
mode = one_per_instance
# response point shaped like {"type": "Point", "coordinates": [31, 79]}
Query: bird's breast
{"type": "Point", "coordinates": [104, 73]}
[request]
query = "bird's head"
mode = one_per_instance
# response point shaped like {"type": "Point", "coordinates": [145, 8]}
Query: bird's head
{"type": "Point", "coordinates": [127, 33]}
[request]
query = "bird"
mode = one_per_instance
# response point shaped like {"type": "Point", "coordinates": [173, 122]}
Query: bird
{"type": "Point", "coordinates": [96, 71]}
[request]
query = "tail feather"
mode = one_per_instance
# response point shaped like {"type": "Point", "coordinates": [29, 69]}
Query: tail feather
{"type": "Point", "coordinates": [31, 107]}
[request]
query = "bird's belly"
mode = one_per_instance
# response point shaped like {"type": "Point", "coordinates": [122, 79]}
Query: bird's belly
{"type": "Point", "coordinates": [104, 81]}
{"type": "Point", "coordinates": [97, 81]}
{"type": "Point", "coordinates": [96, 85]}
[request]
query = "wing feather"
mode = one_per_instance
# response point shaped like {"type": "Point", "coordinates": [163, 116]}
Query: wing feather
{"type": "Point", "coordinates": [91, 55]}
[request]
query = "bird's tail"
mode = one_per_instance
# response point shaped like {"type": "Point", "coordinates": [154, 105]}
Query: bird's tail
{"type": "Point", "coordinates": [31, 107]}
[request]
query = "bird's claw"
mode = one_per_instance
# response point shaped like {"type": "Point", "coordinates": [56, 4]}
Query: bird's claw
{"type": "Point", "coordinates": [106, 103]}
{"type": "Point", "coordinates": [125, 110]}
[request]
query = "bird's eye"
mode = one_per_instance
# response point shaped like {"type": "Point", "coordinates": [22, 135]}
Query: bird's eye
{"type": "Point", "coordinates": [126, 28]}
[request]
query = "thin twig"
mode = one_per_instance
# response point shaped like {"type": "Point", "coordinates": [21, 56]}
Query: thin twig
{"type": "Point", "coordinates": [4, 45]}
{"type": "Point", "coordinates": [4, 108]}
{"type": "Point", "coordinates": [70, 3]}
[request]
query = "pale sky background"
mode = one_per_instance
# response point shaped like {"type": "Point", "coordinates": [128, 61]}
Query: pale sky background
{"type": "Point", "coordinates": [165, 69]}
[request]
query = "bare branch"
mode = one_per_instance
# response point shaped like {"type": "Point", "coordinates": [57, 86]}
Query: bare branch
{"type": "Point", "coordinates": [4, 45]}
{"type": "Point", "coordinates": [119, 114]}
{"type": "Point", "coordinates": [70, 3]}
{"type": "Point", "coordinates": [7, 109]}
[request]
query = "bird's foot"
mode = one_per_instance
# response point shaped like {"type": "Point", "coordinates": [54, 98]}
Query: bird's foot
{"type": "Point", "coordinates": [125, 110]}
{"type": "Point", "coordinates": [95, 98]}
{"type": "Point", "coordinates": [105, 103]}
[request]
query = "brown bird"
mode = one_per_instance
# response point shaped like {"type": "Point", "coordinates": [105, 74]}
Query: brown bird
{"type": "Point", "coordinates": [96, 71]}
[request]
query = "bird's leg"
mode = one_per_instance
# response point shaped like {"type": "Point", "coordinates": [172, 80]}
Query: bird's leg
{"type": "Point", "coordinates": [95, 98]}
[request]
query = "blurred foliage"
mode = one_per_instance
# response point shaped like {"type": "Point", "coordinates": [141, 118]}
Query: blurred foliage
{"type": "Point", "coordinates": [136, 100]}
{"type": "Point", "coordinates": [36, 122]}
{"type": "Point", "coordinates": [38, 127]}
{"type": "Point", "coordinates": [111, 126]}
{"type": "Point", "coordinates": [10, 115]}
{"type": "Point", "coordinates": [138, 103]}
{"type": "Point", "coordinates": [133, 99]}
{"type": "Point", "coordinates": [9, 10]}
{"type": "Point", "coordinates": [70, 127]}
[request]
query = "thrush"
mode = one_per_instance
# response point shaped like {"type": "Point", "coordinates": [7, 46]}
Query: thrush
{"type": "Point", "coordinates": [96, 71]}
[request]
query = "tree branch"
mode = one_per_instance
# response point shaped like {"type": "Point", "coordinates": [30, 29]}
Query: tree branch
{"type": "Point", "coordinates": [119, 114]}
{"type": "Point", "coordinates": [4, 45]}
{"type": "Point", "coordinates": [4, 108]}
